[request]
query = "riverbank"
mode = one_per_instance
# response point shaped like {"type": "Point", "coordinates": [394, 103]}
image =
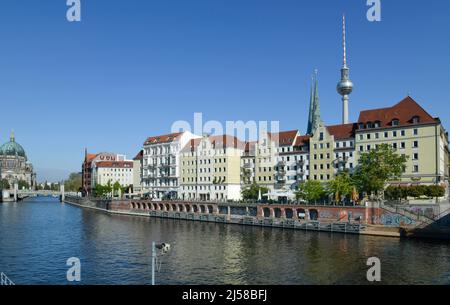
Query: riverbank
{"type": "Point", "coordinates": [223, 214]}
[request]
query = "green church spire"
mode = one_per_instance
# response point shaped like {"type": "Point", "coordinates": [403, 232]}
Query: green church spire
{"type": "Point", "coordinates": [314, 118]}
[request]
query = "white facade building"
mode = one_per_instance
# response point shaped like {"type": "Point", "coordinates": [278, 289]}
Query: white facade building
{"type": "Point", "coordinates": [105, 172]}
{"type": "Point", "coordinates": [161, 164]}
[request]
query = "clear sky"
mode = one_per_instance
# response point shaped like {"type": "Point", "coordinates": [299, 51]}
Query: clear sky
{"type": "Point", "coordinates": [131, 68]}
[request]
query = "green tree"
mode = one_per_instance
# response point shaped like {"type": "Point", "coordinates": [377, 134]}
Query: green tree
{"type": "Point", "coordinates": [73, 183]}
{"type": "Point", "coordinates": [311, 190]}
{"type": "Point", "coordinates": [4, 184]}
{"type": "Point", "coordinates": [341, 186]}
{"type": "Point", "coordinates": [378, 166]}
{"type": "Point", "coordinates": [22, 184]}
{"type": "Point", "coordinates": [252, 192]}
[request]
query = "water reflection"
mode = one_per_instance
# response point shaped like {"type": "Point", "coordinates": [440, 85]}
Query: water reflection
{"type": "Point", "coordinates": [38, 236]}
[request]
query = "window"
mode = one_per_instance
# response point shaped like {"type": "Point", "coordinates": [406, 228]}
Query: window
{"type": "Point", "coordinates": [415, 132]}
{"type": "Point", "coordinates": [395, 122]}
{"type": "Point", "coordinates": [386, 134]}
{"type": "Point", "coordinates": [403, 133]}
{"type": "Point", "coordinates": [415, 168]}
{"type": "Point", "coordinates": [415, 156]}
{"type": "Point", "coordinates": [361, 125]}
{"type": "Point", "coordinates": [361, 137]}
{"type": "Point", "coordinates": [394, 134]}
{"type": "Point", "coordinates": [403, 145]}
{"type": "Point", "coordinates": [416, 119]}
{"type": "Point", "coordinates": [361, 148]}
{"type": "Point", "coordinates": [377, 135]}
{"type": "Point", "coordinates": [368, 136]}
{"type": "Point", "coordinates": [415, 144]}
{"type": "Point", "coordinates": [321, 136]}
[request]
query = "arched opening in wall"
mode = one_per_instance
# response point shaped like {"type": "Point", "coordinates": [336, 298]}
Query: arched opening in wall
{"type": "Point", "coordinates": [301, 214]}
{"type": "Point", "coordinates": [266, 212]}
{"type": "Point", "coordinates": [202, 209]}
{"type": "Point", "coordinates": [155, 207]}
{"type": "Point", "coordinates": [289, 213]}
{"type": "Point", "coordinates": [188, 208]}
{"type": "Point", "coordinates": [313, 214]}
{"type": "Point", "coordinates": [174, 207]}
{"type": "Point", "coordinates": [210, 209]}
{"type": "Point", "coordinates": [138, 206]}
{"type": "Point", "coordinates": [167, 207]}
{"type": "Point", "coordinates": [133, 205]}
{"type": "Point", "coordinates": [149, 206]}
{"type": "Point", "coordinates": [161, 207]}
{"type": "Point", "coordinates": [195, 208]}
{"type": "Point", "coordinates": [277, 212]}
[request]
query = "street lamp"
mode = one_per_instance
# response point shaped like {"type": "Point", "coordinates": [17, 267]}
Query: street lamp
{"type": "Point", "coordinates": [162, 248]}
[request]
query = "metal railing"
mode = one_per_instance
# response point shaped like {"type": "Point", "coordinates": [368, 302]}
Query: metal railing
{"type": "Point", "coordinates": [5, 281]}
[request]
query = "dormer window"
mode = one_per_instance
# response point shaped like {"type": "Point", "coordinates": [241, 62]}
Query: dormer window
{"type": "Point", "coordinates": [395, 122]}
{"type": "Point", "coordinates": [377, 124]}
{"type": "Point", "coordinates": [361, 125]}
{"type": "Point", "coordinates": [369, 124]}
{"type": "Point", "coordinates": [416, 119]}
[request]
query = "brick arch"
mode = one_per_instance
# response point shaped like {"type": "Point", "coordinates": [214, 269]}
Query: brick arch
{"type": "Point", "coordinates": [289, 213]}
{"type": "Point", "coordinates": [266, 212]}
{"type": "Point", "coordinates": [188, 208]}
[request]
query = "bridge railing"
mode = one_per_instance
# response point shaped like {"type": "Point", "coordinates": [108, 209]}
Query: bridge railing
{"type": "Point", "coordinates": [5, 281]}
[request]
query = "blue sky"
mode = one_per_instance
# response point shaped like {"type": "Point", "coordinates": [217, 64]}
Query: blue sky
{"type": "Point", "coordinates": [131, 68]}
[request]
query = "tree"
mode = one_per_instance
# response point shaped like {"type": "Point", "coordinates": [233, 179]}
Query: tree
{"type": "Point", "coordinates": [252, 192]}
{"type": "Point", "coordinates": [378, 166]}
{"type": "Point", "coordinates": [310, 190]}
{"type": "Point", "coordinates": [73, 183]}
{"type": "Point", "coordinates": [341, 186]}
{"type": "Point", "coordinates": [4, 184]}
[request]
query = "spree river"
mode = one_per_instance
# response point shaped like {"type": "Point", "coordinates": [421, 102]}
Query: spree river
{"type": "Point", "coordinates": [37, 237]}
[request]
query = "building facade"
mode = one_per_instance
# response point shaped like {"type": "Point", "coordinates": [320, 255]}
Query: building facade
{"type": "Point", "coordinates": [161, 164]}
{"type": "Point", "coordinates": [211, 168]}
{"type": "Point", "coordinates": [138, 167]}
{"type": "Point", "coordinates": [111, 172]}
{"type": "Point", "coordinates": [89, 165]}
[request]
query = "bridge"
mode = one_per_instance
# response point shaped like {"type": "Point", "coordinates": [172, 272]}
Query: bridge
{"type": "Point", "coordinates": [15, 194]}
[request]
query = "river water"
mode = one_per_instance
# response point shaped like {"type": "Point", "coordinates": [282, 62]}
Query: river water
{"type": "Point", "coordinates": [37, 237]}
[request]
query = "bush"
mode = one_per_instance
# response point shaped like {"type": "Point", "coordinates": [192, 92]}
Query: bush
{"type": "Point", "coordinates": [415, 191]}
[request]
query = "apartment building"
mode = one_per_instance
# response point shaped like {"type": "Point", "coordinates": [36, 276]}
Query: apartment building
{"type": "Point", "coordinates": [211, 168]}
{"type": "Point", "coordinates": [161, 164]}
{"type": "Point", "coordinates": [413, 132]}
{"type": "Point", "coordinates": [104, 172]}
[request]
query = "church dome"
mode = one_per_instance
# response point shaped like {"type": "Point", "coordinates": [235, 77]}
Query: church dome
{"type": "Point", "coordinates": [12, 148]}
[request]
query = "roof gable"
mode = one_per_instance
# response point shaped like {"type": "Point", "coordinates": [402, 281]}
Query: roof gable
{"type": "Point", "coordinates": [404, 112]}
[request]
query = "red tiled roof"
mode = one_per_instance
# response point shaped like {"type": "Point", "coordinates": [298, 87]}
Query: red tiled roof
{"type": "Point", "coordinates": [285, 138]}
{"type": "Point", "coordinates": [139, 155]}
{"type": "Point", "coordinates": [163, 139]}
{"type": "Point", "coordinates": [343, 131]}
{"type": "Point", "coordinates": [191, 145]}
{"type": "Point", "coordinates": [90, 157]}
{"type": "Point", "coordinates": [404, 111]}
{"type": "Point", "coordinates": [115, 164]}
{"type": "Point", "coordinates": [301, 140]}
{"type": "Point", "coordinates": [226, 141]}
{"type": "Point", "coordinates": [250, 146]}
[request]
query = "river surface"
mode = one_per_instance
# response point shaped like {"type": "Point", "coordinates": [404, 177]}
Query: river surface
{"type": "Point", "coordinates": [37, 237]}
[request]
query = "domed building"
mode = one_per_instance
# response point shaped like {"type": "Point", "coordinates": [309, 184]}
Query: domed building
{"type": "Point", "coordinates": [14, 165]}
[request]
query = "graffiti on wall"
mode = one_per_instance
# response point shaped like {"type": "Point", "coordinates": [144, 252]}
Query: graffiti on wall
{"type": "Point", "coordinates": [395, 220]}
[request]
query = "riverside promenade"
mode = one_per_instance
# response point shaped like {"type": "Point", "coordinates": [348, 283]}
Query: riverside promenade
{"type": "Point", "coordinates": [368, 220]}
